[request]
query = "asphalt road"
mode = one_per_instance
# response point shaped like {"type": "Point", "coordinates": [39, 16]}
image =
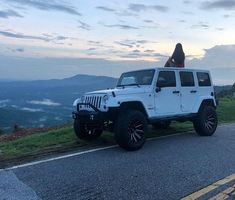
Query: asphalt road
{"type": "Point", "coordinates": [165, 168]}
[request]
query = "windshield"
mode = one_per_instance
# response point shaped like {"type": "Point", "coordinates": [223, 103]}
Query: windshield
{"type": "Point", "coordinates": [143, 77]}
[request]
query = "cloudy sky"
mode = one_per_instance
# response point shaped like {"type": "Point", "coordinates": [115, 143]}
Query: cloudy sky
{"type": "Point", "coordinates": [43, 39]}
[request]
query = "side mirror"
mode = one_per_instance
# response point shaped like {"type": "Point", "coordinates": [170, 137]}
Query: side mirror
{"type": "Point", "coordinates": [158, 89]}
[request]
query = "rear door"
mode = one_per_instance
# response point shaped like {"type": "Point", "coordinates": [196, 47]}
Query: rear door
{"type": "Point", "coordinates": [189, 91]}
{"type": "Point", "coordinates": [167, 96]}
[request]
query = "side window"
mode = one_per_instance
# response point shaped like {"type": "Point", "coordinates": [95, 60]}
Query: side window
{"type": "Point", "coordinates": [166, 79]}
{"type": "Point", "coordinates": [187, 79]}
{"type": "Point", "coordinates": [203, 79]}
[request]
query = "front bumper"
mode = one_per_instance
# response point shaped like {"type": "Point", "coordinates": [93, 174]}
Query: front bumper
{"type": "Point", "coordinates": [89, 117]}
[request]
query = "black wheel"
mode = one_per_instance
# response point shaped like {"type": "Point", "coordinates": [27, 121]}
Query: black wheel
{"type": "Point", "coordinates": [84, 132]}
{"type": "Point", "coordinates": [130, 130]}
{"type": "Point", "coordinates": [206, 121]}
{"type": "Point", "coordinates": [161, 125]}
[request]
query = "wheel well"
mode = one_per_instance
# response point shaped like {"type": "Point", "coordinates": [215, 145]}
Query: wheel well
{"type": "Point", "coordinates": [207, 102]}
{"type": "Point", "coordinates": [135, 105]}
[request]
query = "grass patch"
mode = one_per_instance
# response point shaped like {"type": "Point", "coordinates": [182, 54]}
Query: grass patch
{"type": "Point", "coordinates": [226, 110]}
{"type": "Point", "coordinates": [65, 138]}
{"type": "Point", "coordinates": [37, 142]}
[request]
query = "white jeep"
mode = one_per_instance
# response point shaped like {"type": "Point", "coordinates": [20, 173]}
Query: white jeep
{"type": "Point", "coordinates": [151, 96]}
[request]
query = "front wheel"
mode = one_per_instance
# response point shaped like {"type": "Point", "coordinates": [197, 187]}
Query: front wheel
{"type": "Point", "coordinates": [84, 132]}
{"type": "Point", "coordinates": [206, 121]}
{"type": "Point", "coordinates": [130, 130]}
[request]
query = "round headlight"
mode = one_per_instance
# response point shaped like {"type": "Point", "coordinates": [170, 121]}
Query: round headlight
{"type": "Point", "coordinates": [105, 98]}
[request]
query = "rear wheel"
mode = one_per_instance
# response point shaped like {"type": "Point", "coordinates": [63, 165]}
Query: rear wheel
{"type": "Point", "coordinates": [84, 132]}
{"type": "Point", "coordinates": [206, 121]}
{"type": "Point", "coordinates": [130, 130]}
{"type": "Point", "coordinates": [161, 125]}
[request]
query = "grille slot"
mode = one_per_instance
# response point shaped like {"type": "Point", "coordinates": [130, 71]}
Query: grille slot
{"type": "Point", "coordinates": [93, 100]}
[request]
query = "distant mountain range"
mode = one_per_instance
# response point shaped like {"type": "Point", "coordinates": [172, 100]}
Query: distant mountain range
{"type": "Point", "coordinates": [47, 102]}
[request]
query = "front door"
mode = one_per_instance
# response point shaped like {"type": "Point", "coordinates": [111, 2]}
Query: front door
{"type": "Point", "coordinates": [167, 95]}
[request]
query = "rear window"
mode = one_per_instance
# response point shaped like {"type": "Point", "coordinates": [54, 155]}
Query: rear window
{"type": "Point", "coordinates": [203, 79]}
{"type": "Point", "coordinates": [187, 79]}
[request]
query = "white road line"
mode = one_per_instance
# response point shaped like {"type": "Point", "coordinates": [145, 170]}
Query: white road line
{"type": "Point", "coordinates": [58, 158]}
{"type": "Point", "coordinates": [83, 152]}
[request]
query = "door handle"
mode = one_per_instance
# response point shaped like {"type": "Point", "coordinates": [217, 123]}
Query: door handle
{"type": "Point", "coordinates": [176, 92]}
{"type": "Point", "coordinates": [193, 91]}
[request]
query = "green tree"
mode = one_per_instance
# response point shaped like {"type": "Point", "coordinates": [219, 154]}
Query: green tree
{"type": "Point", "coordinates": [233, 87]}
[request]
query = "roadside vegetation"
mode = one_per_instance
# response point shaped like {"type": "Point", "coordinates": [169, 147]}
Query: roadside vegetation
{"type": "Point", "coordinates": [1, 132]}
{"type": "Point", "coordinates": [226, 110]}
{"type": "Point", "coordinates": [64, 139]}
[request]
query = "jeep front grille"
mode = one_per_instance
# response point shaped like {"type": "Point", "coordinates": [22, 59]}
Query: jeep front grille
{"type": "Point", "coordinates": [93, 100]}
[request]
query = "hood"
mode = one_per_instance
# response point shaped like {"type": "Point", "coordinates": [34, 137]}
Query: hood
{"type": "Point", "coordinates": [123, 90]}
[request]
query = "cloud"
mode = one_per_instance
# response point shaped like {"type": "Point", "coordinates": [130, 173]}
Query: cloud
{"type": "Point", "coordinates": [84, 26]}
{"type": "Point", "coordinates": [219, 29]}
{"type": "Point", "coordinates": [150, 24]}
{"type": "Point", "coordinates": [133, 43]}
{"type": "Point", "coordinates": [143, 7]}
{"type": "Point", "coordinates": [31, 109]}
{"type": "Point", "coordinates": [51, 5]}
{"type": "Point", "coordinates": [187, 12]}
{"type": "Point", "coordinates": [120, 12]}
{"type": "Point", "coordinates": [104, 8]}
{"type": "Point", "coordinates": [98, 44]}
{"type": "Point", "coordinates": [124, 44]}
{"type": "Point", "coordinates": [219, 4]}
{"type": "Point", "coordinates": [148, 21]}
{"type": "Point", "coordinates": [3, 103]}
{"type": "Point", "coordinates": [121, 26]}
{"type": "Point", "coordinates": [125, 13]}
{"type": "Point", "coordinates": [45, 102]}
{"type": "Point", "coordinates": [43, 119]}
{"type": "Point", "coordinates": [20, 50]}
{"type": "Point", "coordinates": [136, 51]}
{"type": "Point", "coordinates": [92, 42]}
{"type": "Point", "coordinates": [202, 25]}
{"type": "Point", "coordinates": [44, 37]}
{"type": "Point", "coordinates": [139, 54]}
{"type": "Point", "coordinates": [22, 36]}
{"type": "Point", "coordinates": [187, 2]}
{"type": "Point", "coordinates": [60, 37]}
{"type": "Point", "coordinates": [220, 61]}
{"type": "Point", "coordinates": [9, 13]}
{"type": "Point", "coordinates": [149, 51]}
{"type": "Point", "coordinates": [91, 49]}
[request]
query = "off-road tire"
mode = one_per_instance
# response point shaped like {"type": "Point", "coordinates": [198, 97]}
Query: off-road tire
{"type": "Point", "coordinates": [205, 123]}
{"type": "Point", "coordinates": [85, 134]}
{"type": "Point", "coordinates": [130, 130]}
{"type": "Point", "coordinates": [161, 125]}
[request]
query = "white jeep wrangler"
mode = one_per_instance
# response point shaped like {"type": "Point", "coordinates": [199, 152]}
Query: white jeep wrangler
{"type": "Point", "coordinates": [151, 96]}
